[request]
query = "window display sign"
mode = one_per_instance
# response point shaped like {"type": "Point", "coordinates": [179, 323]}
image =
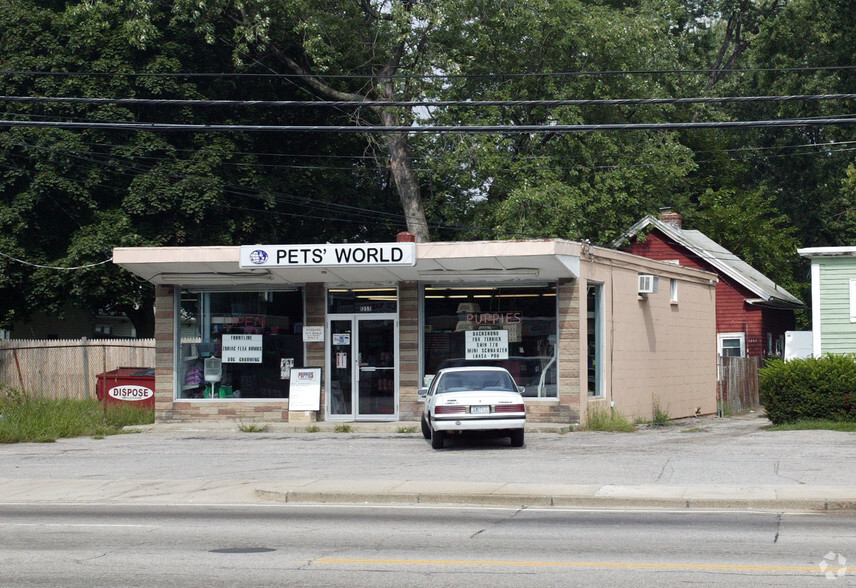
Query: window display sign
{"type": "Point", "coordinates": [313, 334]}
{"type": "Point", "coordinates": [305, 393]}
{"type": "Point", "coordinates": [286, 364]}
{"type": "Point", "coordinates": [242, 349]}
{"type": "Point", "coordinates": [487, 344]}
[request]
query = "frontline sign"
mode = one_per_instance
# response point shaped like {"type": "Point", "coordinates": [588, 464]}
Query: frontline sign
{"type": "Point", "coordinates": [130, 393]}
{"type": "Point", "coordinates": [328, 255]}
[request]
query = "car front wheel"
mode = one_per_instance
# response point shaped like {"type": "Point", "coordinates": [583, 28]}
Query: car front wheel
{"type": "Point", "coordinates": [517, 438]}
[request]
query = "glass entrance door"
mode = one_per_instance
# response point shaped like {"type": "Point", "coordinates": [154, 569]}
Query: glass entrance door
{"type": "Point", "coordinates": [363, 366]}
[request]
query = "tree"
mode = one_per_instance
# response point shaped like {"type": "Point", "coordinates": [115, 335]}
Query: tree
{"type": "Point", "coordinates": [577, 186]}
{"type": "Point", "coordinates": [807, 168]}
{"type": "Point", "coordinates": [367, 44]}
{"type": "Point", "coordinates": [67, 198]}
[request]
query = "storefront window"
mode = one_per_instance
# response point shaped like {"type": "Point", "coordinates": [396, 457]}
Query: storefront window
{"type": "Point", "coordinates": [239, 344]}
{"type": "Point", "coordinates": [594, 339]}
{"type": "Point", "coordinates": [510, 327]}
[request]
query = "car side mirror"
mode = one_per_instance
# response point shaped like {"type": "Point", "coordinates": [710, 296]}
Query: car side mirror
{"type": "Point", "coordinates": [521, 389]}
{"type": "Point", "coordinates": [422, 393]}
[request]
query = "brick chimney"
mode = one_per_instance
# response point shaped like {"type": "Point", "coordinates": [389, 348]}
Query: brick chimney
{"type": "Point", "coordinates": [673, 219]}
{"type": "Point", "coordinates": [405, 237]}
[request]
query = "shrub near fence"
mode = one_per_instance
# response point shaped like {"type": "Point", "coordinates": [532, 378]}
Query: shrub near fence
{"type": "Point", "coordinates": [68, 368]}
{"type": "Point", "coordinates": [810, 389]}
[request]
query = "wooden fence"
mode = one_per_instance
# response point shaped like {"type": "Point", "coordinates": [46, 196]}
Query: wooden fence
{"type": "Point", "coordinates": [737, 384]}
{"type": "Point", "coordinates": [68, 368]}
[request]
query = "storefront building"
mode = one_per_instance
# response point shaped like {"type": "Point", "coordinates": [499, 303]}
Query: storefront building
{"type": "Point", "coordinates": [241, 331]}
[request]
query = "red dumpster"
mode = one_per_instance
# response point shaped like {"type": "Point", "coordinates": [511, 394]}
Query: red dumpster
{"type": "Point", "coordinates": [127, 384]}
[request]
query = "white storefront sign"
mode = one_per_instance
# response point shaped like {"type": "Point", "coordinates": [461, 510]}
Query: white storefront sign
{"type": "Point", "coordinates": [304, 392]}
{"type": "Point", "coordinates": [313, 334]}
{"type": "Point", "coordinates": [487, 344]}
{"type": "Point", "coordinates": [329, 255]}
{"type": "Point", "coordinates": [242, 349]}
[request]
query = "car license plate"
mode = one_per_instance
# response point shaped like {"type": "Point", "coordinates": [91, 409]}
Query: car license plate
{"type": "Point", "coordinates": [485, 409]}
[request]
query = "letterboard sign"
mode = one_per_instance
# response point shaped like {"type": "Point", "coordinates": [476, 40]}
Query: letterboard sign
{"type": "Point", "coordinates": [487, 344]}
{"type": "Point", "coordinates": [242, 349]}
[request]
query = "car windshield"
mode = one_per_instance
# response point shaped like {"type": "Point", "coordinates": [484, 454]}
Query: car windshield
{"type": "Point", "coordinates": [476, 380]}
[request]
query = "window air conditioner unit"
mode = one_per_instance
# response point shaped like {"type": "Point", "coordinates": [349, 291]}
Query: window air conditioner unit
{"type": "Point", "coordinates": [647, 284]}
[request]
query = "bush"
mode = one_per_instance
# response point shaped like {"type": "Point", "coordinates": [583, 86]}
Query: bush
{"type": "Point", "coordinates": [804, 389]}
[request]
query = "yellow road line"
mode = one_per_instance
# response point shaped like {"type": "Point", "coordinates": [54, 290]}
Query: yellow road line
{"type": "Point", "coordinates": [567, 564]}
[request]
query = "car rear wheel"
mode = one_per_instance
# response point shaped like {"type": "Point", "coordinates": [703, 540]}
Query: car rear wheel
{"type": "Point", "coordinates": [437, 438]}
{"type": "Point", "coordinates": [426, 430]}
{"type": "Point", "coordinates": [517, 438]}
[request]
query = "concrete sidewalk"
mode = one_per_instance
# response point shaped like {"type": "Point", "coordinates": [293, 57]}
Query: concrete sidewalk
{"type": "Point", "coordinates": [517, 495]}
{"type": "Point", "coordinates": [699, 464]}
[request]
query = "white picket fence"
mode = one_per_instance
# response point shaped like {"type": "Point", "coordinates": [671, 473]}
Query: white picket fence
{"type": "Point", "coordinates": [68, 368]}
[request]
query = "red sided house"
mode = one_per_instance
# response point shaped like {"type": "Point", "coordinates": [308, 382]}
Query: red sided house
{"type": "Point", "coordinates": [752, 312]}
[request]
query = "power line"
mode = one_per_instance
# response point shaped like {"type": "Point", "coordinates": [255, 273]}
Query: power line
{"type": "Point", "coordinates": [830, 148]}
{"type": "Point", "coordinates": [52, 267]}
{"type": "Point", "coordinates": [427, 103]}
{"type": "Point", "coordinates": [498, 129]}
{"type": "Point", "coordinates": [434, 76]}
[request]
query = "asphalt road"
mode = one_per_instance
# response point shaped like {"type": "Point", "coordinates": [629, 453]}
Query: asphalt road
{"type": "Point", "coordinates": [293, 545]}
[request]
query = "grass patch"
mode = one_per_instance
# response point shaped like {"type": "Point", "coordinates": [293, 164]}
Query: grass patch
{"type": "Point", "coordinates": [661, 416]}
{"type": "Point", "coordinates": [312, 429]}
{"type": "Point", "coordinates": [406, 429]}
{"type": "Point", "coordinates": [44, 420]}
{"type": "Point", "coordinates": [343, 428]}
{"type": "Point", "coordinates": [253, 428]}
{"type": "Point", "coordinates": [598, 419]}
{"type": "Point", "coordinates": [813, 424]}
{"type": "Point", "coordinates": [694, 430]}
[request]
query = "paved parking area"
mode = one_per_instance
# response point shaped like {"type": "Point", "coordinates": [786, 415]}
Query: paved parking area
{"type": "Point", "coordinates": [707, 455]}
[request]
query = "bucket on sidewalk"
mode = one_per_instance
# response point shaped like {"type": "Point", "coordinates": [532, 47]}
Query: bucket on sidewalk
{"type": "Point", "coordinates": [127, 384]}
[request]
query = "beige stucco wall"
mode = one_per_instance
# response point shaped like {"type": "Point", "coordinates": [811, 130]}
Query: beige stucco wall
{"type": "Point", "coordinates": [656, 351]}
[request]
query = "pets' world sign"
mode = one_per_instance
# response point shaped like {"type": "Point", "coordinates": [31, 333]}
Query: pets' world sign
{"type": "Point", "coordinates": [328, 255]}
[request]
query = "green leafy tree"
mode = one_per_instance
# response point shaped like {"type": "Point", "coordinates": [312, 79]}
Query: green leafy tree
{"type": "Point", "coordinates": [67, 197]}
{"type": "Point", "coordinates": [771, 244]}
{"type": "Point", "coordinates": [807, 167]}
{"type": "Point", "coordinates": [373, 42]}
{"type": "Point", "coordinates": [555, 184]}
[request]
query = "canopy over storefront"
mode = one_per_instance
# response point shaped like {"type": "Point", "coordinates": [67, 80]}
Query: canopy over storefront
{"type": "Point", "coordinates": [478, 261]}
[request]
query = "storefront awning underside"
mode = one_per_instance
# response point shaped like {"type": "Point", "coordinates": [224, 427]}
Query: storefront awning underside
{"type": "Point", "coordinates": [467, 262]}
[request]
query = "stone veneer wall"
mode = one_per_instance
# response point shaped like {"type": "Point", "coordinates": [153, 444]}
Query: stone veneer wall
{"type": "Point", "coordinates": [315, 304]}
{"type": "Point", "coordinates": [164, 347]}
{"type": "Point", "coordinates": [570, 347]}
{"type": "Point", "coordinates": [409, 408]}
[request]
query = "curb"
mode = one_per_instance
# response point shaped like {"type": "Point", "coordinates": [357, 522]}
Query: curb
{"type": "Point", "coordinates": [565, 500]}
